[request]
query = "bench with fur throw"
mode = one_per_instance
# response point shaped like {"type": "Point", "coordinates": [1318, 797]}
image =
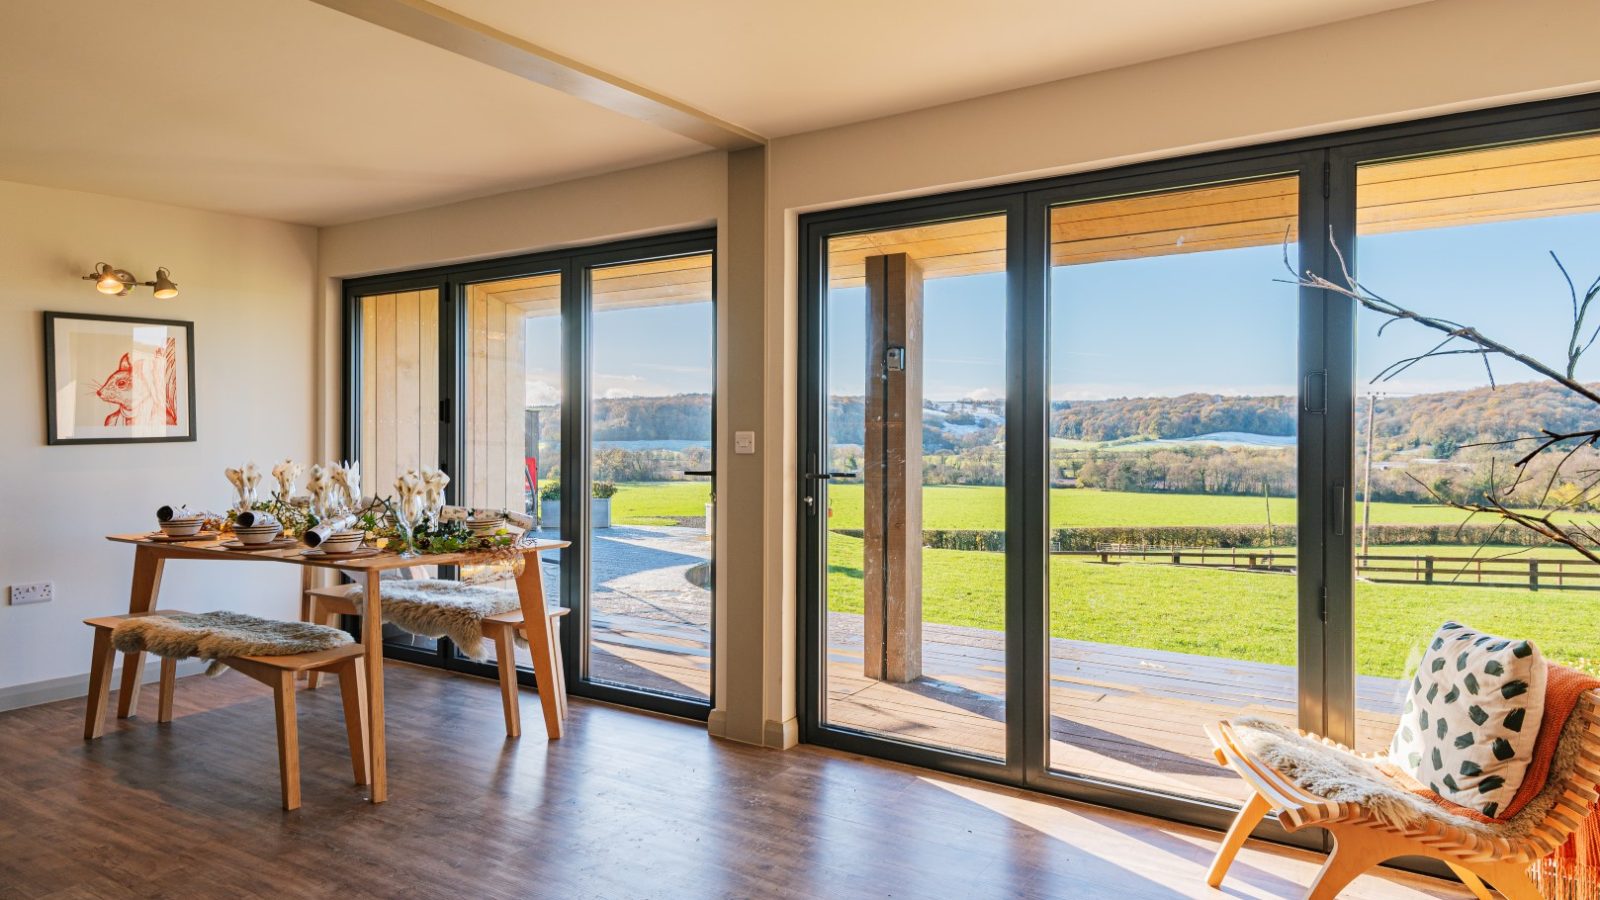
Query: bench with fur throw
{"type": "Point", "coordinates": [437, 608]}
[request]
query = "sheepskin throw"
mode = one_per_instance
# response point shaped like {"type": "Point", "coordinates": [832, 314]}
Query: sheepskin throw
{"type": "Point", "coordinates": [1340, 774]}
{"type": "Point", "coordinates": [219, 636]}
{"type": "Point", "coordinates": [437, 608]}
{"type": "Point", "coordinates": [1471, 717]}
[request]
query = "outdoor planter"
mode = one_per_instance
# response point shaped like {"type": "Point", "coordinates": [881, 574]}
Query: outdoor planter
{"type": "Point", "coordinates": [599, 514]}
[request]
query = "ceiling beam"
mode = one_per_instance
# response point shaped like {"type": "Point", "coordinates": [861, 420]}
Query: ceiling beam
{"type": "Point", "coordinates": [433, 24]}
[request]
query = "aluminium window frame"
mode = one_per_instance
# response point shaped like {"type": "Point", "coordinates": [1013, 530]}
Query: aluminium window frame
{"type": "Point", "coordinates": [451, 281]}
{"type": "Point", "coordinates": [1327, 166]}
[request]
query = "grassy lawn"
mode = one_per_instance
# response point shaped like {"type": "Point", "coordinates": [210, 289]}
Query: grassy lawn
{"type": "Point", "coordinates": [957, 506]}
{"type": "Point", "coordinates": [657, 502]}
{"type": "Point", "coordinates": [1235, 615]}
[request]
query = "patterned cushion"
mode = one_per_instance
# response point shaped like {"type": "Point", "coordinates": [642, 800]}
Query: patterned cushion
{"type": "Point", "coordinates": [1471, 717]}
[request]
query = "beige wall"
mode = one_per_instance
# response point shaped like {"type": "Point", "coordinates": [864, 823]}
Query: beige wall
{"type": "Point", "coordinates": [1436, 58]}
{"type": "Point", "coordinates": [247, 284]}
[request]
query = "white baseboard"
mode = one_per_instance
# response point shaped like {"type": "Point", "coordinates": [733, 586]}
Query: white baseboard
{"type": "Point", "coordinates": [34, 693]}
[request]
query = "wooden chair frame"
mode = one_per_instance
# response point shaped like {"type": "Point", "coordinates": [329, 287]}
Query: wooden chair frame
{"type": "Point", "coordinates": [276, 672]}
{"type": "Point", "coordinates": [324, 605]}
{"type": "Point", "coordinates": [1361, 841]}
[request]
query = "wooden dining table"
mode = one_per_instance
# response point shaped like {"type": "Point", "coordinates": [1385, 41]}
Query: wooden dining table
{"type": "Point", "coordinates": [151, 554]}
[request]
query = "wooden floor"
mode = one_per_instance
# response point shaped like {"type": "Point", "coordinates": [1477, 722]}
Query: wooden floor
{"type": "Point", "coordinates": [628, 805]}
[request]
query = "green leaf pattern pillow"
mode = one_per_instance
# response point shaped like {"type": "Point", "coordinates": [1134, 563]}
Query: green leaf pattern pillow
{"type": "Point", "coordinates": [1471, 717]}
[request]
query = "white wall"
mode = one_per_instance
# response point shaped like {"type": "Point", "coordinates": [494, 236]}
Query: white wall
{"type": "Point", "coordinates": [248, 285]}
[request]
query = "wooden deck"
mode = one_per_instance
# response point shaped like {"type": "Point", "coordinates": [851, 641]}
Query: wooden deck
{"type": "Point", "coordinates": [1119, 713]}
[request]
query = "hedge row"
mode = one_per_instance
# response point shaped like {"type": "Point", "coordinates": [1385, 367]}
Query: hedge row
{"type": "Point", "coordinates": [1225, 536]}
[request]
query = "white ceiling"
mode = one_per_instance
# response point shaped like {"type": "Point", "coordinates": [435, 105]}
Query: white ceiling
{"type": "Point", "coordinates": [779, 67]}
{"type": "Point", "coordinates": [289, 110]}
{"type": "Point", "coordinates": [282, 109]}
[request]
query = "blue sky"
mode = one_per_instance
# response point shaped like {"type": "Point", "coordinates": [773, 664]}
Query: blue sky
{"type": "Point", "coordinates": [1213, 322]}
{"type": "Point", "coordinates": [1218, 322]}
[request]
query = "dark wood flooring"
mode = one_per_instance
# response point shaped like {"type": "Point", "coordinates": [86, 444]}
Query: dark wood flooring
{"type": "Point", "coordinates": [628, 805]}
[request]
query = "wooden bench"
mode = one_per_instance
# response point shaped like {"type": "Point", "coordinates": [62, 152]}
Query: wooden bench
{"type": "Point", "coordinates": [323, 605]}
{"type": "Point", "coordinates": [277, 672]}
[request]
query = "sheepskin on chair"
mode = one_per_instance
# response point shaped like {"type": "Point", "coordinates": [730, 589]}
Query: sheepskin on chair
{"type": "Point", "coordinates": [1339, 773]}
{"type": "Point", "coordinates": [433, 607]}
{"type": "Point", "coordinates": [218, 636]}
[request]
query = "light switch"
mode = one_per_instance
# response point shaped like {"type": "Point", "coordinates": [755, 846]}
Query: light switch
{"type": "Point", "coordinates": [744, 442]}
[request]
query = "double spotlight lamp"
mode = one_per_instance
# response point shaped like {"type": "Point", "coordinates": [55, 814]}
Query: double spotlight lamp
{"type": "Point", "coordinates": [120, 282]}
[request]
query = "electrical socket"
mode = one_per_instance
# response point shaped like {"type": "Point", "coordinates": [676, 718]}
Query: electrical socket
{"type": "Point", "coordinates": [38, 592]}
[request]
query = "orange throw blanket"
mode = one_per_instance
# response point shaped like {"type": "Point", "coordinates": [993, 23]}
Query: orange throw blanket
{"type": "Point", "coordinates": [1573, 871]}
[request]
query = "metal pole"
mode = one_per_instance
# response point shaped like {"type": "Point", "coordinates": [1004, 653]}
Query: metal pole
{"type": "Point", "coordinates": [1366, 490]}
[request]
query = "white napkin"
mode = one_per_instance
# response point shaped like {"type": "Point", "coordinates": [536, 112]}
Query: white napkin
{"type": "Point", "coordinates": [169, 512]}
{"type": "Point", "coordinates": [315, 536]}
{"type": "Point", "coordinates": [251, 518]}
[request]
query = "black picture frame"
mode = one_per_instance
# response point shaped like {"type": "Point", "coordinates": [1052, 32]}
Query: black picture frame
{"type": "Point", "coordinates": [53, 435]}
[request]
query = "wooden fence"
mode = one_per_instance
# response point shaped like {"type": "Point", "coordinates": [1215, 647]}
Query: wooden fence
{"type": "Point", "coordinates": [1526, 572]}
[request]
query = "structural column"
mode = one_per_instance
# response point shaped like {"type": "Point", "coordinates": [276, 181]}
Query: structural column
{"type": "Point", "coordinates": [892, 564]}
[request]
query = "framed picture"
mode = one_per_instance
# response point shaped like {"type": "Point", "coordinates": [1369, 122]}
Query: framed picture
{"type": "Point", "coordinates": [115, 379]}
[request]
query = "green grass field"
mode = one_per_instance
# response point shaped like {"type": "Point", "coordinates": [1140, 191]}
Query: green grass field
{"type": "Point", "coordinates": [957, 507]}
{"type": "Point", "coordinates": [1235, 615]}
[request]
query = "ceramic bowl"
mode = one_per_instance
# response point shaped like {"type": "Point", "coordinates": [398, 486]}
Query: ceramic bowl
{"type": "Point", "coordinates": [182, 527]}
{"type": "Point", "coordinates": [341, 542]}
{"type": "Point", "coordinates": [258, 535]}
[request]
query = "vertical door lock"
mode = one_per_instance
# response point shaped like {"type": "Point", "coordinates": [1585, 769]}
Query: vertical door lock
{"type": "Point", "coordinates": [895, 359]}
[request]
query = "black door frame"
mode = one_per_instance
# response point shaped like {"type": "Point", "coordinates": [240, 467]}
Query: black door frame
{"type": "Point", "coordinates": [1326, 651]}
{"type": "Point", "coordinates": [452, 281]}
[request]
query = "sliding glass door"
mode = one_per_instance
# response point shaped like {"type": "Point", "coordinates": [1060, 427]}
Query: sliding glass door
{"type": "Point", "coordinates": [1173, 473]}
{"type": "Point", "coordinates": [1503, 240]}
{"type": "Point", "coordinates": [914, 443]}
{"type": "Point", "coordinates": [576, 388]}
{"type": "Point", "coordinates": [1089, 464]}
{"type": "Point", "coordinates": [651, 382]}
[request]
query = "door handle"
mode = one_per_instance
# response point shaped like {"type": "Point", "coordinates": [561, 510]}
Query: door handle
{"type": "Point", "coordinates": [1340, 501]}
{"type": "Point", "coordinates": [829, 476]}
{"type": "Point", "coordinates": [705, 472]}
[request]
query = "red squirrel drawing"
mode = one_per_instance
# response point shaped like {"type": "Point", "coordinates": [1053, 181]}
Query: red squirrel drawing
{"type": "Point", "coordinates": [144, 388]}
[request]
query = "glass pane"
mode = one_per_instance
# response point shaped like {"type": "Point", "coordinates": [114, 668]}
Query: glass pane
{"type": "Point", "coordinates": [1473, 237]}
{"type": "Point", "coordinates": [654, 336]}
{"type": "Point", "coordinates": [399, 403]}
{"type": "Point", "coordinates": [1173, 378]}
{"type": "Point", "coordinates": [915, 595]}
{"type": "Point", "coordinates": [513, 407]}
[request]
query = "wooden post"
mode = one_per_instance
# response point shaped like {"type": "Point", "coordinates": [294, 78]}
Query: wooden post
{"type": "Point", "coordinates": [892, 563]}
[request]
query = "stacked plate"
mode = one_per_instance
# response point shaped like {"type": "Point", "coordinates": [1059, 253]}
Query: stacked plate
{"type": "Point", "coordinates": [253, 535]}
{"type": "Point", "coordinates": [485, 525]}
{"type": "Point", "coordinates": [185, 527]}
{"type": "Point", "coordinates": [341, 542]}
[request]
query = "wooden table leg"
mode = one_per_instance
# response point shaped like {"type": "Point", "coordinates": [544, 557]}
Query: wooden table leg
{"type": "Point", "coordinates": [536, 626]}
{"type": "Point", "coordinates": [147, 564]}
{"type": "Point", "coordinates": [372, 640]}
